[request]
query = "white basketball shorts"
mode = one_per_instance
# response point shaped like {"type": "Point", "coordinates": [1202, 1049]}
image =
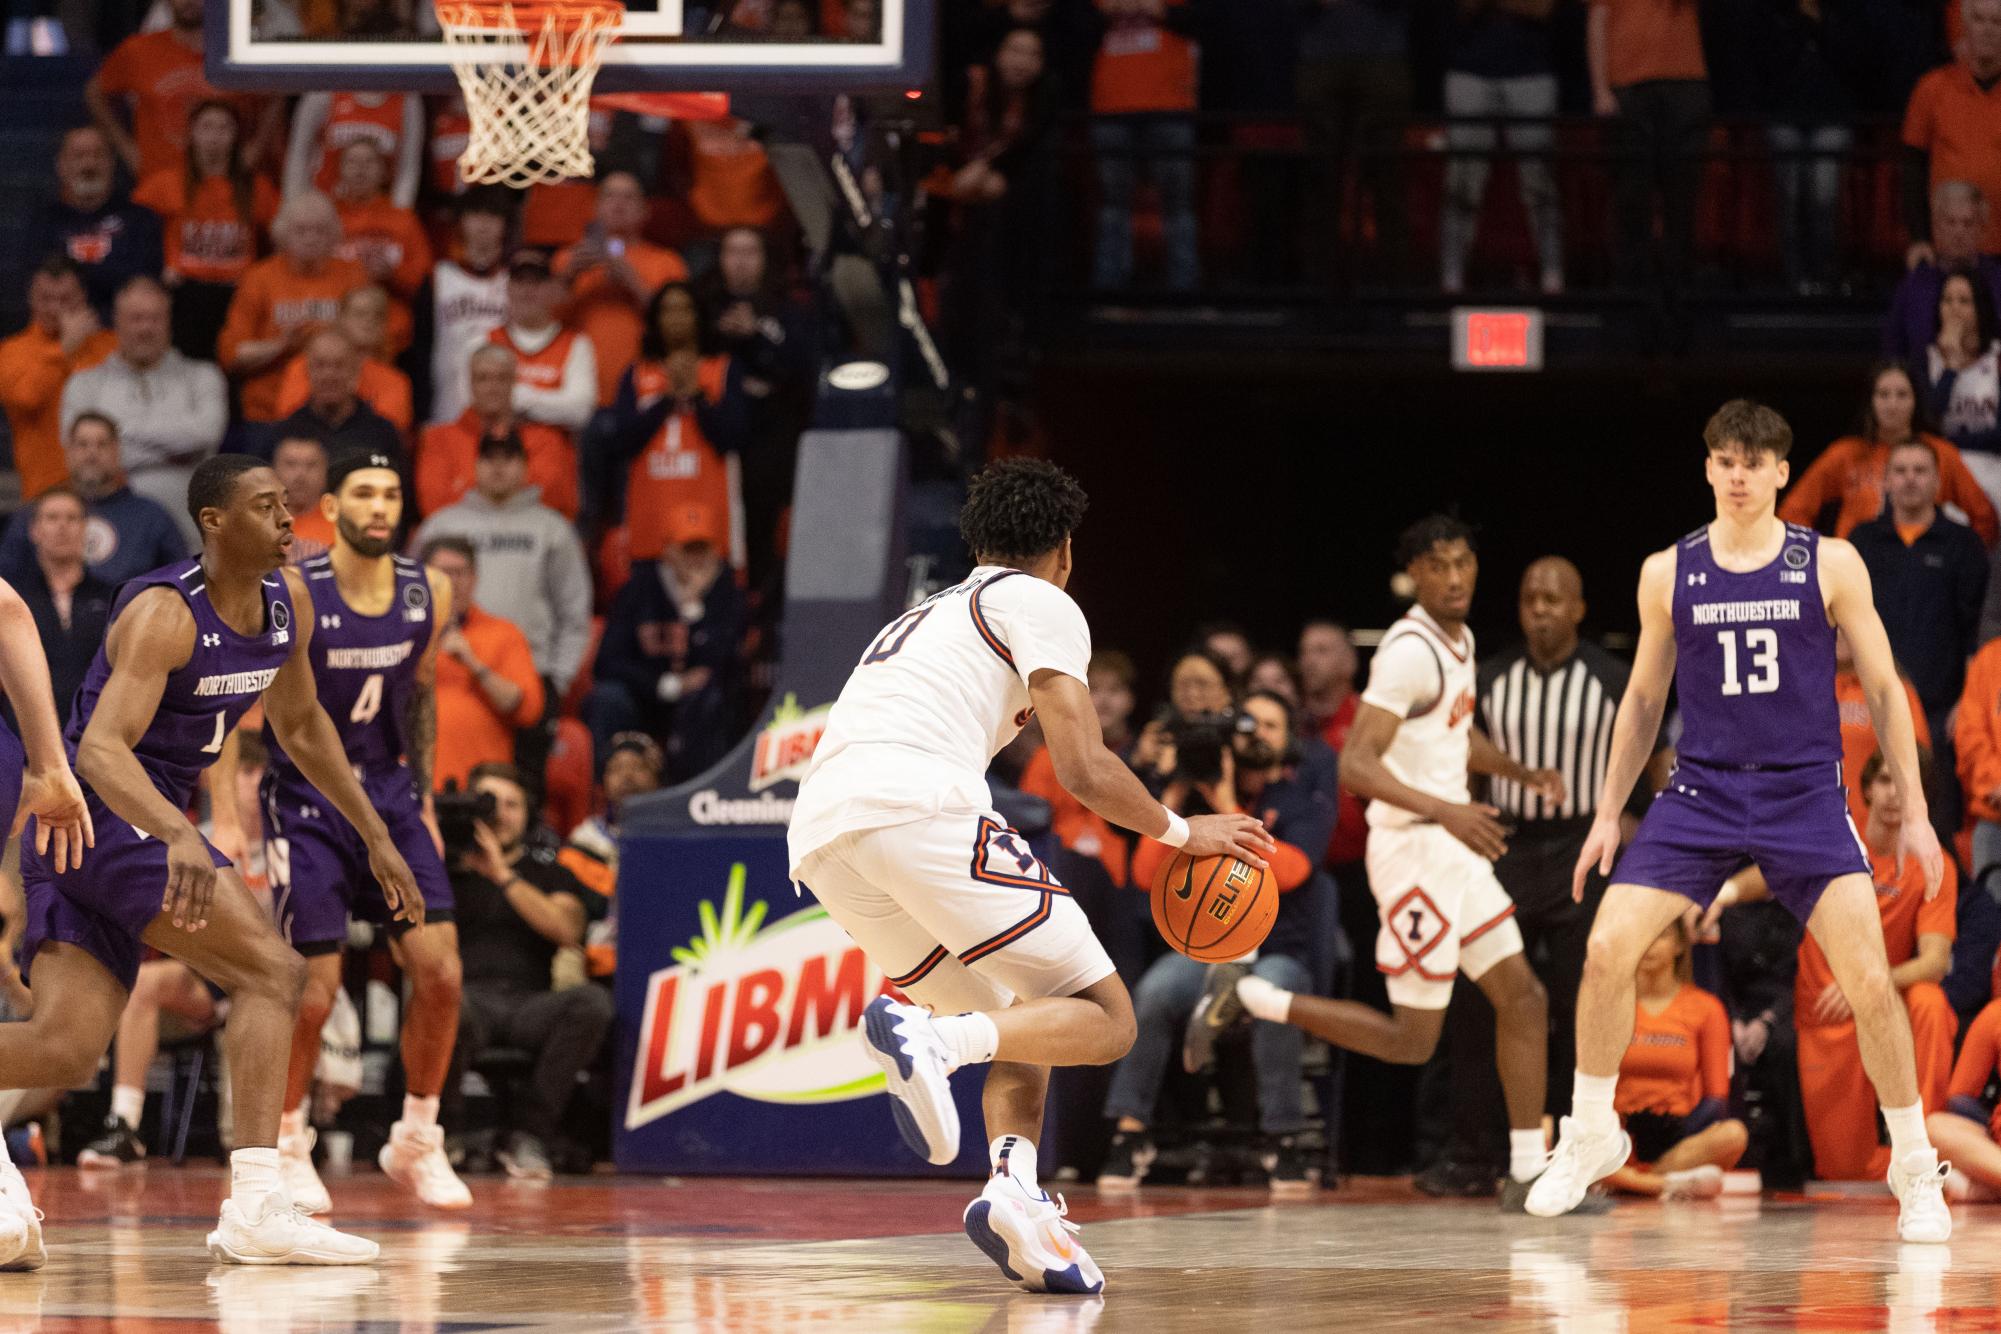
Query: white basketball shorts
{"type": "Point", "coordinates": [957, 912]}
{"type": "Point", "coordinates": [1443, 912]}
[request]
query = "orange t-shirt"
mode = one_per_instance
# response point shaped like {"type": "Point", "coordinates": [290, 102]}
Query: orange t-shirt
{"type": "Point", "coordinates": [351, 120]}
{"type": "Point", "coordinates": [1077, 826]}
{"type": "Point", "coordinates": [604, 311]}
{"type": "Point", "coordinates": [383, 388]}
{"type": "Point", "coordinates": [1677, 1057]}
{"type": "Point", "coordinates": [1858, 735]}
{"type": "Point", "coordinates": [207, 240]}
{"type": "Point", "coordinates": [1906, 916]}
{"type": "Point", "coordinates": [469, 731]}
{"type": "Point", "coordinates": [1958, 123]}
{"type": "Point", "coordinates": [33, 371]}
{"type": "Point", "coordinates": [732, 183]}
{"type": "Point", "coordinates": [1652, 39]}
{"type": "Point", "coordinates": [271, 301]}
{"type": "Point", "coordinates": [376, 232]}
{"type": "Point", "coordinates": [451, 128]}
{"type": "Point", "coordinates": [164, 77]}
{"type": "Point", "coordinates": [679, 467]}
{"type": "Point", "coordinates": [448, 451]}
{"type": "Point", "coordinates": [1142, 66]}
{"type": "Point", "coordinates": [1976, 733]}
{"type": "Point", "coordinates": [1979, 1061]}
{"type": "Point", "coordinates": [1850, 473]}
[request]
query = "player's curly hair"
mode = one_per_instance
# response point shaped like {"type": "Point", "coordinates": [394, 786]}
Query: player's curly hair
{"type": "Point", "coordinates": [1019, 510]}
{"type": "Point", "coordinates": [1428, 532]}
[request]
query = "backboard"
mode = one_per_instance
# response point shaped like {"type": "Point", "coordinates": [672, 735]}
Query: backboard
{"type": "Point", "coordinates": [711, 48]}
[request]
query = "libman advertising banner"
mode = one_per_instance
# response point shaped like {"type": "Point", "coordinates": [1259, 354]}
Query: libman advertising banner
{"type": "Point", "coordinates": [739, 1009]}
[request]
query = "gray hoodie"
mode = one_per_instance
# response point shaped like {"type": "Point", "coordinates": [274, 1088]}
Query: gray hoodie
{"type": "Point", "coordinates": [531, 571]}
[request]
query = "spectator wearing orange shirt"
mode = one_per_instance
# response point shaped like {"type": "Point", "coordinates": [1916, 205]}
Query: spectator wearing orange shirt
{"type": "Point", "coordinates": [324, 124]}
{"type": "Point", "coordinates": [730, 179]}
{"type": "Point", "coordinates": [1078, 827]}
{"type": "Point", "coordinates": [62, 338]}
{"type": "Point", "coordinates": [301, 464]}
{"type": "Point", "coordinates": [1858, 729]}
{"type": "Point", "coordinates": [159, 77]}
{"type": "Point", "coordinates": [215, 214]}
{"type": "Point", "coordinates": [1674, 1082]}
{"type": "Point", "coordinates": [612, 275]}
{"type": "Point", "coordinates": [487, 686]}
{"type": "Point", "coordinates": [1968, 1129]}
{"type": "Point", "coordinates": [364, 322]}
{"type": "Point", "coordinates": [284, 300]}
{"type": "Point", "coordinates": [1648, 78]}
{"type": "Point", "coordinates": [1976, 739]}
{"type": "Point", "coordinates": [1843, 487]}
{"type": "Point", "coordinates": [1142, 114]}
{"type": "Point", "coordinates": [555, 366]}
{"type": "Point", "coordinates": [334, 413]}
{"type": "Point", "coordinates": [1949, 125]}
{"type": "Point", "coordinates": [448, 454]}
{"type": "Point", "coordinates": [387, 241]}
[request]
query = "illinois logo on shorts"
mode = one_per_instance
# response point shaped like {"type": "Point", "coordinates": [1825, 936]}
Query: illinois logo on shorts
{"type": "Point", "coordinates": [1002, 856]}
{"type": "Point", "coordinates": [1416, 926]}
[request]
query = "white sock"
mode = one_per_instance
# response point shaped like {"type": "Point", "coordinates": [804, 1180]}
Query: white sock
{"type": "Point", "coordinates": [970, 1039]}
{"type": "Point", "coordinates": [253, 1176]}
{"type": "Point", "coordinates": [292, 1124]}
{"type": "Point", "coordinates": [1591, 1103]}
{"type": "Point", "coordinates": [1252, 957]}
{"type": "Point", "coordinates": [1907, 1129]}
{"type": "Point", "coordinates": [1526, 1154]}
{"type": "Point", "coordinates": [128, 1104]}
{"type": "Point", "coordinates": [1014, 1157]}
{"type": "Point", "coordinates": [6, 1158]}
{"type": "Point", "coordinates": [1264, 1000]}
{"type": "Point", "coordinates": [420, 1111]}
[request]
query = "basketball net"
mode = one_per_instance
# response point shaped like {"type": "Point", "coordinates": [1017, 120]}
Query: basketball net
{"type": "Point", "coordinates": [526, 72]}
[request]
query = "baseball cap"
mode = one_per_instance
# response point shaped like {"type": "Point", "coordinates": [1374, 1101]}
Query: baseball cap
{"type": "Point", "coordinates": [532, 260]}
{"type": "Point", "coordinates": [693, 523]}
{"type": "Point", "coordinates": [352, 461]}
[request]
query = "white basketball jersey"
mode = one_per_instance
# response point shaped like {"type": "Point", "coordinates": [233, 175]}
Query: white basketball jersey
{"type": "Point", "coordinates": [464, 307]}
{"type": "Point", "coordinates": [1427, 679]}
{"type": "Point", "coordinates": [940, 690]}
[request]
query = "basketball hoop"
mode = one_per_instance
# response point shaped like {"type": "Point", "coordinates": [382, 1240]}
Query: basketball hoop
{"type": "Point", "coordinates": [526, 71]}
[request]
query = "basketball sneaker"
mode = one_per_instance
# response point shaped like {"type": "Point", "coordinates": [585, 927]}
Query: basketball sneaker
{"type": "Point", "coordinates": [1126, 1161]}
{"type": "Point", "coordinates": [116, 1147]}
{"type": "Point", "coordinates": [1219, 1008]}
{"type": "Point", "coordinates": [1582, 1156]}
{"type": "Point", "coordinates": [20, 1224]}
{"type": "Point", "coordinates": [302, 1181]}
{"type": "Point", "coordinates": [904, 1046]}
{"type": "Point", "coordinates": [1291, 1174]}
{"type": "Point", "coordinates": [283, 1233]}
{"type": "Point", "coordinates": [1031, 1238]}
{"type": "Point", "coordinates": [414, 1158]}
{"type": "Point", "coordinates": [1918, 1181]}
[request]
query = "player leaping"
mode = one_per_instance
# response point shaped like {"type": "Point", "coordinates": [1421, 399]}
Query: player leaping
{"type": "Point", "coordinates": [191, 647]}
{"type": "Point", "coordinates": [374, 659]}
{"type": "Point", "coordinates": [1741, 616]}
{"type": "Point", "coordinates": [894, 831]}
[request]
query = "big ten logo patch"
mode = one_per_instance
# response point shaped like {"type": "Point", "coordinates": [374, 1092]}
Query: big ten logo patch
{"type": "Point", "coordinates": [1223, 903]}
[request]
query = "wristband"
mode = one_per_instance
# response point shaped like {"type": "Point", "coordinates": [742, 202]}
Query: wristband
{"type": "Point", "coordinates": [1177, 830]}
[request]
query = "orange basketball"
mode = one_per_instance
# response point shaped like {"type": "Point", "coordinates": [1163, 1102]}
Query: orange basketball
{"type": "Point", "coordinates": [1213, 908]}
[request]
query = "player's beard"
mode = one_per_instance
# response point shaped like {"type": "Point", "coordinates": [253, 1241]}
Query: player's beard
{"type": "Point", "coordinates": [372, 547]}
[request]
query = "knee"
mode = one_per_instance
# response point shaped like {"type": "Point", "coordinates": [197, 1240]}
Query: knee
{"type": "Point", "coordinates": [589, 1007]}
{"type": "Point", "coordinates": [1412, 1046]}
{"type": "Point", "coordinates": [1732, 1138]}
{"type": "Point", "coordinates": [1525, 1001]}
{"type": "Point", "coordinates": [1608, 959]}
{"type": "Point", "coordinates": [316, 999]}
{"type": "Point", "coordinates": [67, 1059]}
{"type": "Point", "coordinates": [438, 978]}
{"type": "Point", "coordinates": [1873, 993]}
{"type": "Point", "coordinates": [1117, 1033]}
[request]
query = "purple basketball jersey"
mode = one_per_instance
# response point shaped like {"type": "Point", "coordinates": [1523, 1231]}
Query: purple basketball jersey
{"type": "Point", "coordinates": [365, 667]}
{"type": "Point", "coordinates": [204, 699]}
{"type": "Point", "coordinates": [1754, 658]}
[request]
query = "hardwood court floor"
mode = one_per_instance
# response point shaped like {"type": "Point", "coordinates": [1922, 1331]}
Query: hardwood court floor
{"type": "Point", "coordinates": [607, 1254]}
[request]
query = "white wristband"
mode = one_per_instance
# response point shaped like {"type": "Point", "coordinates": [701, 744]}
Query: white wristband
{"type": "Point", "coordinates": [1177, 830]}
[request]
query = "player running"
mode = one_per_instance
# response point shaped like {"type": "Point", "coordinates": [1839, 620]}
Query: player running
{"type": "Point", "coordinates": [1431, 853]}
{"type": "Point", "coordinates": [374, 654]}
{"type": "Point", "coordinates": [894, 831]}
{"type": "Point", "coordinates": [1741, 616]}
{"type": "Point", "coordinates": [191, 647]}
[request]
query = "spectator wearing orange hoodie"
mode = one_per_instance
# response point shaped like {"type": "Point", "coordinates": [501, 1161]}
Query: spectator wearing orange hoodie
{"type": "Point", "coordinates": [612, 275]}
{"type": "Point", "coordinates": [62, 338]}
{"type": "Point", "coordinates": [1847, 478]}
{"type": "Point", "coordinates": [449, 452]}
{"type": "Point", "coordinates": [284, 300]}
{"type": "Point", "coordinates": [386, 240]}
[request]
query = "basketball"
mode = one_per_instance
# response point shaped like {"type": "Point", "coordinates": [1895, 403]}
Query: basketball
{"type": "Point", "coordinates": [1213, 909]}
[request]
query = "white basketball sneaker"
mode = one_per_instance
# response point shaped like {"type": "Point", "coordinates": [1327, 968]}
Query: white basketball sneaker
{"type": "Point", "coordinates": [905, 1047]}
{"type": "Point", "coordinates": [414, 1158]}
{"type": "Point", "coordinates": [1582, 1156]}
{"type": "Point", "coordinates": [283, 1233]}
{"type": "Point", "coordinates": [1031, 1238]}
{"type": "Point", "coordinates": [1918, 1181]}
{"type": "Point", "coordinates": [302, 1182]}
{"type": "Point", "coordinates": [20, 1224]}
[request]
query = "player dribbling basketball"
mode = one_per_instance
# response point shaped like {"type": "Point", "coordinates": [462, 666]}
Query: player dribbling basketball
{"type": "Point", "coordinates": [895, 833]}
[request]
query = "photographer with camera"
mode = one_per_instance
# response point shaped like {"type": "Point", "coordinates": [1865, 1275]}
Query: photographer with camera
{"type": "Point", "coordinates": [1225, 762]}
{"type": "Point", "coordinates": [518, 908]}
{"type": "Point", "coordinates": [1198, 685]}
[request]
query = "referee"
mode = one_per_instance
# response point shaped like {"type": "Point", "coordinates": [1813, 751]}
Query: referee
{"type": "Point", "coordinates": [1548, 704]}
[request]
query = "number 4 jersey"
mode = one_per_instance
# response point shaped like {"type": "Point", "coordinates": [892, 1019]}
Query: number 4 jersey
{"type": "Point", "coordinates": [1754, 658]}
{"type": "Point", "coordinates": [936, 694]}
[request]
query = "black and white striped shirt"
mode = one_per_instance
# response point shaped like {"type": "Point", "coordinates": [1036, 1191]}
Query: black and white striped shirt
{"type": "Point", "coordinates": [1559, 720]}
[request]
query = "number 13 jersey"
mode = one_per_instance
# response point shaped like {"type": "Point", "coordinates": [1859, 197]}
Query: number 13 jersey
{"type": "Point", "coordinates": [937, 693]}
{"type": "Point", "coordinates": [1754, 658]}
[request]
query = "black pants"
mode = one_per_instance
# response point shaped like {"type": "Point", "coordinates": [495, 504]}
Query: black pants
{"type": "Point", "coordinates": [1462, 1085]}
{"type": "Point", "coordinates": [1354, 110]}
{"type": "Point", "coordinates": [1659, 136]}
{"type": "Point", "coordinates": [563, 1030]}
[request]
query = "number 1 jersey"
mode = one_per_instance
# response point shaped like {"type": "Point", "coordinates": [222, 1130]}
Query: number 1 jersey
{"type": "Point", "coordinates": [1754, 658]}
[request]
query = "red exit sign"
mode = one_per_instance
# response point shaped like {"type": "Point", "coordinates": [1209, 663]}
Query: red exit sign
{"type": "Point", "coordinates": [1486, 339]}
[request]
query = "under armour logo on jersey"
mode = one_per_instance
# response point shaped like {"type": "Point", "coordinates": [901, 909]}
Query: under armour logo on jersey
{"type": "Point", "coordinates": [1701, 577]}
{"type": "Point", "coordinates": [211, 641]}
{"type": "Point", "coordinates": [330, 622]}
